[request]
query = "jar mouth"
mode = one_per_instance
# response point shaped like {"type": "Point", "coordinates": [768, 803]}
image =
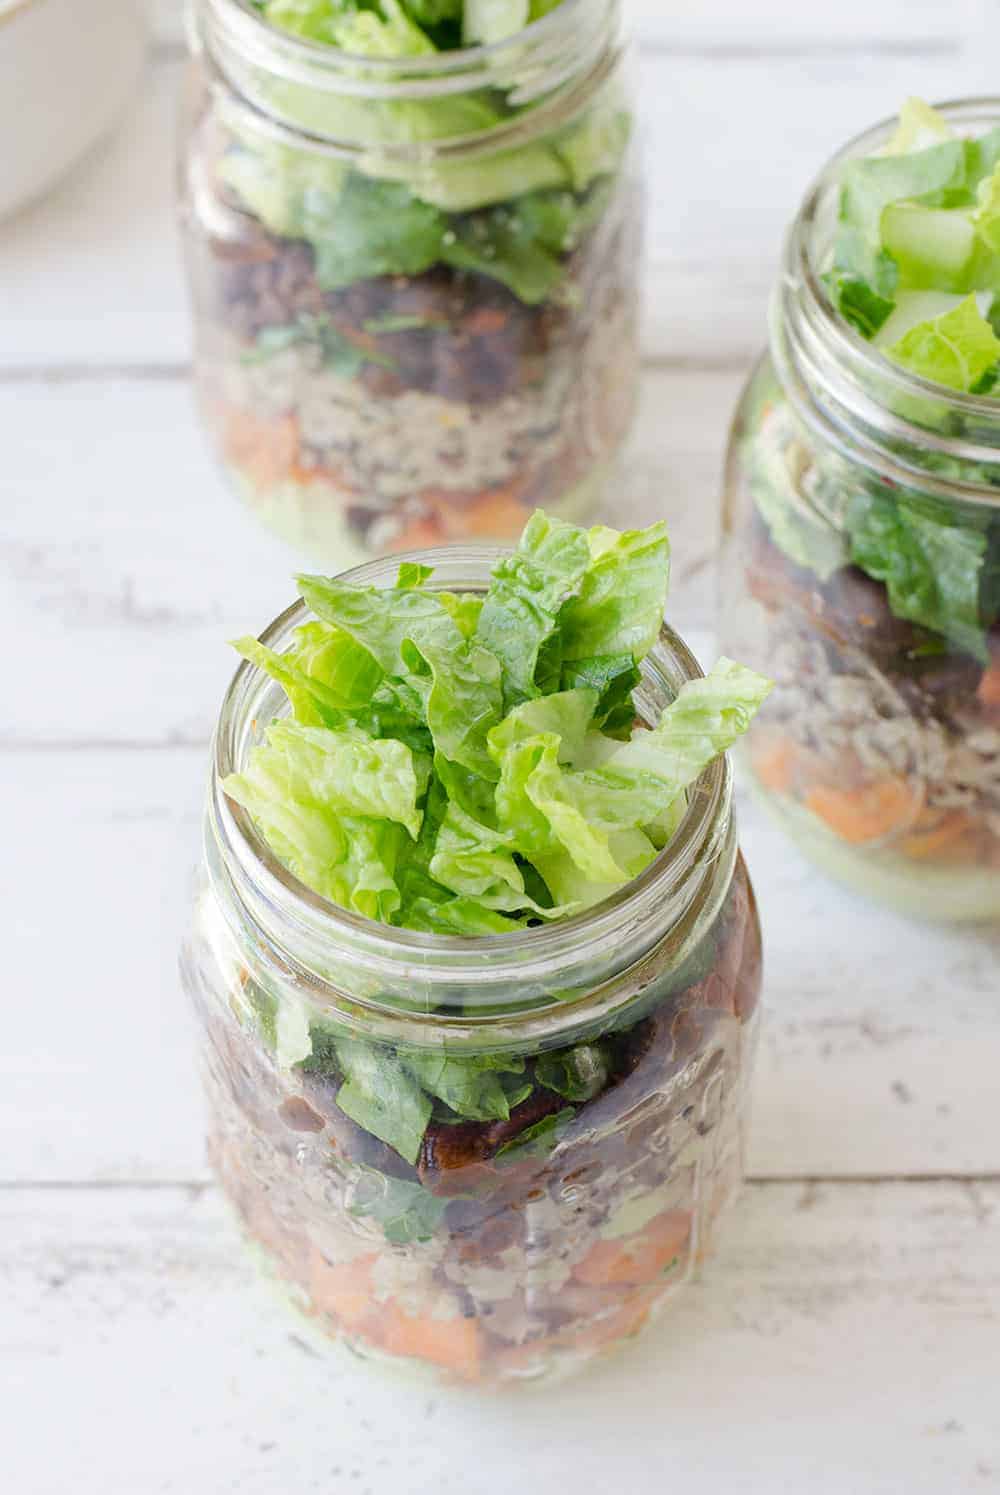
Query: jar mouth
{"type": "Point", "coordinates": [869, 391]}
{"type": "Point", "coordinates": [632, 918]}
{"type": "Point", "coordinates": [279, 85]}
{"type": "Point", "coordinates": [530, 65]}
{"type": "Point", "coordinates": [563, 19]}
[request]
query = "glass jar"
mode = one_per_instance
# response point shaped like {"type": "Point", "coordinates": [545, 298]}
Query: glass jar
{"type": "Point", "coordinates": [623, 1038]}
{"type": "Point", "coordinates": [414, 280]}
{"type": "Point", "coordinates": [862, 505]}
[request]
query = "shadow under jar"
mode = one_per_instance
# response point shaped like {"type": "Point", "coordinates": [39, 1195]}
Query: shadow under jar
{"type": "Point", "coordinates": [494, 1250]}
{"type": "Point", "coordinates": [858, 495]}
{"type": "Point", "coordinates": [414, 280]}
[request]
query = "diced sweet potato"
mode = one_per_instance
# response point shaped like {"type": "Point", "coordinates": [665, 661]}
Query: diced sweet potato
{"type": "Point", "coordinates": [881, 809]}
{"type": "Point", "coordinates": [638, 1258]}
{"type": "Point", "coordinates": [452, 1343]}
{"type": "Point", "coordinates": [342, 1289]}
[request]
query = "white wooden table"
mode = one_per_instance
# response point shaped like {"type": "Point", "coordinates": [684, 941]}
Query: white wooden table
{"type": "Point", "coordinates": [847, 1338]}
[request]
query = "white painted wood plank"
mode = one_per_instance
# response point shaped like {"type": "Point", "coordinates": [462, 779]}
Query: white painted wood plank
{"type": "Point", "coordinates": [845, 1339]}
{"type": "Point", "coordinates": [132, 561]}
{"type": "Point", "coordinates": [91, 275]}
{"type": "Point", "coordinates": [878, 1054]}
{"type": "Point", "coordinates": [766, 24]}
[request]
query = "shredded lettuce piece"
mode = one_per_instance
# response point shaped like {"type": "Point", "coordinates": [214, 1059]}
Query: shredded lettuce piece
{"type": "Point", "coordinates": [919, 126]}
{"type": "Point", "coordinates": [406, 1211]}
{"type": "Point", "coordinates": [921, 215]}
{"type": "Point", "coordinates": [436, 773]}
{"type": "Point", "coordinates": [382, 1096]}
{"type": "Point", "coordinates": [957, 349]}
{"type": "Point", "coordinates": [521, 608]}
{"type": "Point", "coordinates": [554, 813]}
{"type": "Point", "coordinates": [578, 1074]}
{"type": "Point", "coordinates": [929, 560]}
{"type": "Point", "coordinates": [413, 636]}
{"type": "Point", "coordinates": [476, 1086]}
{"type": "Point", "coordinates": [487, 21]}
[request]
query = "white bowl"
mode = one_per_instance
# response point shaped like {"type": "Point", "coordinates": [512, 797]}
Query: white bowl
{"type": "Point", "coordinates": [67, 69]}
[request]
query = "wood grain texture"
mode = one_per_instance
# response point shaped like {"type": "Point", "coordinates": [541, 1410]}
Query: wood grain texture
{"type": "Point", "coordinates": [123, 545]}
{"type": "Point", "coordinates": [767, 25]}
{"type": "Point", "coordinates": [847, 1338]}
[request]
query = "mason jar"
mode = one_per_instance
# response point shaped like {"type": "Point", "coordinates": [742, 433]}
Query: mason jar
{"type": "Point", "coordinates": [414, 280]}
{"type": "Point", "coordinates": [857, 495]}
{"type": "Point", "coordinates": [494, 1250]}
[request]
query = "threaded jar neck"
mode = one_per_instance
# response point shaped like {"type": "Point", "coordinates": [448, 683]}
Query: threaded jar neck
{"type": "Point", "coordinates": [398, 980]}
{"type": "Point", "coordinates": [304, 92]}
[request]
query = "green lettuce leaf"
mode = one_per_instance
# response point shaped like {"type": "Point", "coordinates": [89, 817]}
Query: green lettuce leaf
{"type": "Point", "coordinates": [293, 192]}
{"type": "Point", "coordinates": [956, 349]}
{"type": "Point", "coordinates": [485, 22]}
{"type": "Point", "coordinates": [620, 603]}
{"type": "Point", "coordinates": [919, 126]}
{"type": "Point", "coordinates": [555, 814]}
{"type": "Point", "coordinates": [929, 561]}
{"type": "Point", "coordinates": [348, 771]}
{"type": "Point", "coordinates": [987, 213]}
{"type": "Point", "coordinates": [336, 807]}
{"type": "Point", "coordinates": [324, 673]}
{"type": "Point", "coordinates": [470, 1085]}
{"type": "Point", "coordinates": [779, 471]}
{"type": "Point", "coordinates": [412, 636]}
{"type": "Point", "coordinates": [375, 228]}
{"type": "Point", "coordinates": [406, 1211]}
{"type": "Point", "coordinates": [914, 217]}
{"type": "Point", "coordinates": [567, 714]}
{"type": "Point", "coordinates": [539, 1140]}
{"type": "Point", "coordinates": [407, 788]}
{"type": "Point", "coordinates": [434, 12]}
{"type": "Point", "coordinates": [382, 1096]}
{"type": "Point", "coordinates": [578, 1074]}
{"type": "Point", "coordinates": [526, 593]}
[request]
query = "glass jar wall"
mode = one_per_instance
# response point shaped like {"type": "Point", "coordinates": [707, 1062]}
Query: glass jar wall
{"type": "Point", "coordinates": [414, 280]}
{"type": "Point", "coordinates": [526, 1242]}
{"type": "Point", "coordinates": [861, 567]}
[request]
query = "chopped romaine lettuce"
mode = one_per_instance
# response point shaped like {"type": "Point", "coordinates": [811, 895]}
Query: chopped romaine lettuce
{"type": "Point", "coordinates": [929, 561]}
{"type": "Point", "coordinates": [528, 588]}
{"type": "Point", "coordinates": [957, 349]}
{"type": "Point", "coordinates": [406, 1211]}
{"type": "Point", "coordinates": [382, 1096]}
{"type": "Point", "coordinates": [435, 774]}
{"type": "Point", "coordinates": [578, 1074]}
{"type": "Point", "coordinates": [919, 126]}
{"type": "Point", "coordinates": [473, 1086]}
{"type": "Point", "coordinates": [921, 216]}
{"type": "Point", "coordinates": [487, 21]}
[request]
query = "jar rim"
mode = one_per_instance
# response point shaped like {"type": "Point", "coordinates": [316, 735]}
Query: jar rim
{"type": "Point", "coordinates": [565, 17]}
{"type": "Point", "coordinates": [804, 314]}
{"type": "Point", "coordinates": [633, 914]}
{"type": "Point", "coordinates": [549, 72]}
{"type": "Point", "coordinates": [539, 59]}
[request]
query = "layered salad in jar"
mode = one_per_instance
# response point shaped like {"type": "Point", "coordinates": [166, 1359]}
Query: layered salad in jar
{"type": "Point", "coordinates": [878, 597]}
{"type": "Point", "coordinates": [475, 765]}
{"type": "Point", "coordinates": [420, 335]}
